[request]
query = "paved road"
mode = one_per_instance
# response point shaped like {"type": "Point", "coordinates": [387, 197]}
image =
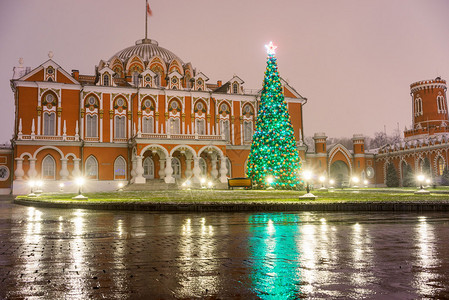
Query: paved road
{"type": "Point", "coordinates": [82, 254]}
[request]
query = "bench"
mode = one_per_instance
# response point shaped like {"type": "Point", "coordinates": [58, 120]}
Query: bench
{"type": "Point", "coordinates": [240, 182]}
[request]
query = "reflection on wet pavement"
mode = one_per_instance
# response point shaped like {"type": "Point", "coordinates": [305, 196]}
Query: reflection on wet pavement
{"type": "Point", "coordinates": [81, 254]}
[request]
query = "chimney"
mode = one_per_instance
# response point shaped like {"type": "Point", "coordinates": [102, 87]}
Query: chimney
{"type": "Point", "coordinates": [76, 74]}
{"type": "Point", "coordinates": [219, 83]}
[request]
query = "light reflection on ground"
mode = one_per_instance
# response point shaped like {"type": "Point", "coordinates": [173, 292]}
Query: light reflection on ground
{"type": "Point", "coordinates": [79, 254]}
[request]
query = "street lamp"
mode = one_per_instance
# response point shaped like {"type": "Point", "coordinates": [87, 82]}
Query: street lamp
{"type": "Point", "coordinates": [307, 176]}
{"type": "Point", "coordinates": [203, 182]}
{"type": "Point", "coordinates": [331, 182]}
{"type": "Point", "coordinates": [365, 182]}
{"type": "Point", "coordinates": [269, 180]}
{"type": "Point", "coordinates": [120, 186]}
{"type": "Point", "coordinates": [355, 180]}
{"type": "Point", "coordinates": [80, 181]}
{"type": "Point", "coordinates": [61, 187]}
{"type": "Point", "coordinates": [210, 185]}
{"type": "Point", "coordinates": [32, 184]}
{"type": "Point", "coordinates": [322, 180]}
{"type": "Point", "coordinates": [421, 179]}
{"type": "Point", "coordinates": [186, 184]}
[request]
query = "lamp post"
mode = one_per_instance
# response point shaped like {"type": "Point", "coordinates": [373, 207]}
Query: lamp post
{"type": "Point", "coordinates": [80, 181]}
{"type": "Point", "coordinates": [365, 182]}
{"type": "Point", "coordinates": [322, 180]}
{"type": "Point", "coordinates": [331, 183]}
{"type": "Point", "coordinates": [120, 186]}
{"type": "Point", "coordinates": [186, 184]}
{"type": "Point", "coordinates": [307, 176]}
{"type": "Point", "coordinates": [355, 180]}
{"type": "Point", "coordinates": [421, 178]}
{"type": "Point", "coordinates": [269, 180]}
{"type": "Point", "coordinates": [203, 182]}
{"type": "Point", "coordinates": [32, 184]}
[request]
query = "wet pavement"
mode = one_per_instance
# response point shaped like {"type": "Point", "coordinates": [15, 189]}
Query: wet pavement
{"type": "Point", "coordinates": [50, 253]}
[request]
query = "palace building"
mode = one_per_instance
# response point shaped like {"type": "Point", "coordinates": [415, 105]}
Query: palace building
{"type": "Point", "coordinates": [145, 117]}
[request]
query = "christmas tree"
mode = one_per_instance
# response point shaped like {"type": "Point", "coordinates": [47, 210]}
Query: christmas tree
{"type": "Point", "coordinates": [273, 160]}
{"type": "Point", "coordinates": [392, 179]}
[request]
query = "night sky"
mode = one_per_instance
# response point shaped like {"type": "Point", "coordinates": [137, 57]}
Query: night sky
{"type": "Point", "coordinates": [353, 60]}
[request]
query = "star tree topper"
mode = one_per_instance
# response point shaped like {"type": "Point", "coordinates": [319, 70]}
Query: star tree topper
{"type": "Point", "coordinates": [271, 48]}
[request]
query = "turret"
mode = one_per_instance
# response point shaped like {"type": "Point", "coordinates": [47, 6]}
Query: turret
{"type": "Point", "coordinates": [430, 113]}
{"type": "Point", "coordinates": [320, 142]}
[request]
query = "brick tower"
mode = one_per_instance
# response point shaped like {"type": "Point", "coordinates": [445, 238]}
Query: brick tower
{"type": "Point", "coordinates": [430, 113]}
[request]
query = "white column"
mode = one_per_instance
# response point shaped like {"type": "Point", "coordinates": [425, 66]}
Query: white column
{"type": "Point", "coordinates": [161, 172]}
{"type": "Point", "coordinates": [188, 171]}
{"type": "Point", "coordinates": [77, 136]}
{"type": "Point", "coordinates": [133, 170]}
{"type": "Point", "coordinates": [59, 124]}
{"type": "Point", "coordinates": [32, 129]}
{"type": "Point", "coordinates": [111, 130]}
{"type": "Point", "coordinates": [19, 173]}
{"type": "Point", "coordinates": [76, 167]}
{"type": "Point", "coordinates": [38, 125]}
{"type": "Point", "coordinates": [100, 121]}
{"type": "Point", "coordinates": [214, 171]}
{"type": "Point", "coordinates": [168, 171]}
{"type": "Point", "coordinates": [19, 134]}
{"type": "Point", "coordinates": [223, 170]}
{"type": "Point", "coordinates": [32, 171]}
{"type": "Point", "coordinates": [196, 170]}
{"type": "Point", "coordinates": [139, 170]}
{"type": "Point", "coordinates": [64, 173]}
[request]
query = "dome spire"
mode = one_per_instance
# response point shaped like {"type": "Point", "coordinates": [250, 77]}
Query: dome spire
{"type": "Point", "coordinates": [147, 14]}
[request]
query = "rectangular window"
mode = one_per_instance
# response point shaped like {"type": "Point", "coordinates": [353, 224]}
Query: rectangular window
{"type": "Point", "coordinates": [247, 131]}
{"type": "Point", "coordinates": [200, 127]}
{"type": "Point", "coordinates": [147, 125]}
{"type": "Point", "coordinates": [91, 126]}
{"type": "Point", "coordinates": [49, 124]}
{"type": "Point", "coordinates": [120, 127]}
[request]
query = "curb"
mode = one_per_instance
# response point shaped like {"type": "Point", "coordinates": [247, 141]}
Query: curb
{"type": "Point", "coordinates": [245, 207]}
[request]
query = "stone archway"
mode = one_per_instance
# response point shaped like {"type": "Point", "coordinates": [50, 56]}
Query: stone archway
{"type": "Point", "coordinates": [339, 171]}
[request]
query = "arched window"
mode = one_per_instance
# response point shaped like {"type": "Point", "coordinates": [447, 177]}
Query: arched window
{"type": "Point", "coordinates": [147, 125]}
{"type": "Point", "coordinates": [148, 168]}
{"type": "Point", "coordinates": [229, 167]}
{"type": "Point", "coordinates": [235, 88]}
{"type": "Point", "coordinates": [91, 126]}
{"type": "Point", "coordinates": [135, 78]}
{"type": "Point", "coordinates": [200, 127]}
{"type": "Point", "coordinates": [120, 168]}
{"type": "Point", "coordinates": [49, 123]}
{"type": "Point", "coordinates": [120, 127]}
{"type": "Point", "coordinates": [48, 168]}
{"type": "Point", "coordinates": [106, 80]}
{"type": "Point", "coordinates": [176, 165]}
{"type": "Point", "coordinates": [91, 169]}
{"type": "Point", "coordinates": [247, 131]}
{"type": "Point", "coordinates": [203, 166]}
{"type": "Point", "coordinates": [224, 124]}
{"type": "Point", "coordinates": [174, 126]}
{"type": "Point", "coordinates": [440, 166]}
{"type": "Point", "coordinates": [157, 80]}
{"type": "Point", "coordinates": [440, 103]}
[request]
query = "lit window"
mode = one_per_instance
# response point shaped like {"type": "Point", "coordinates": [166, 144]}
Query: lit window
{"type": "Point", "coordinates": [120, 168]}
{"type": "Point", "coordinates": [49, 123]}
{"type": "Point", "coordinates": [440, 166]}
{"type": "Point", "coordinates": [48, 167]}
